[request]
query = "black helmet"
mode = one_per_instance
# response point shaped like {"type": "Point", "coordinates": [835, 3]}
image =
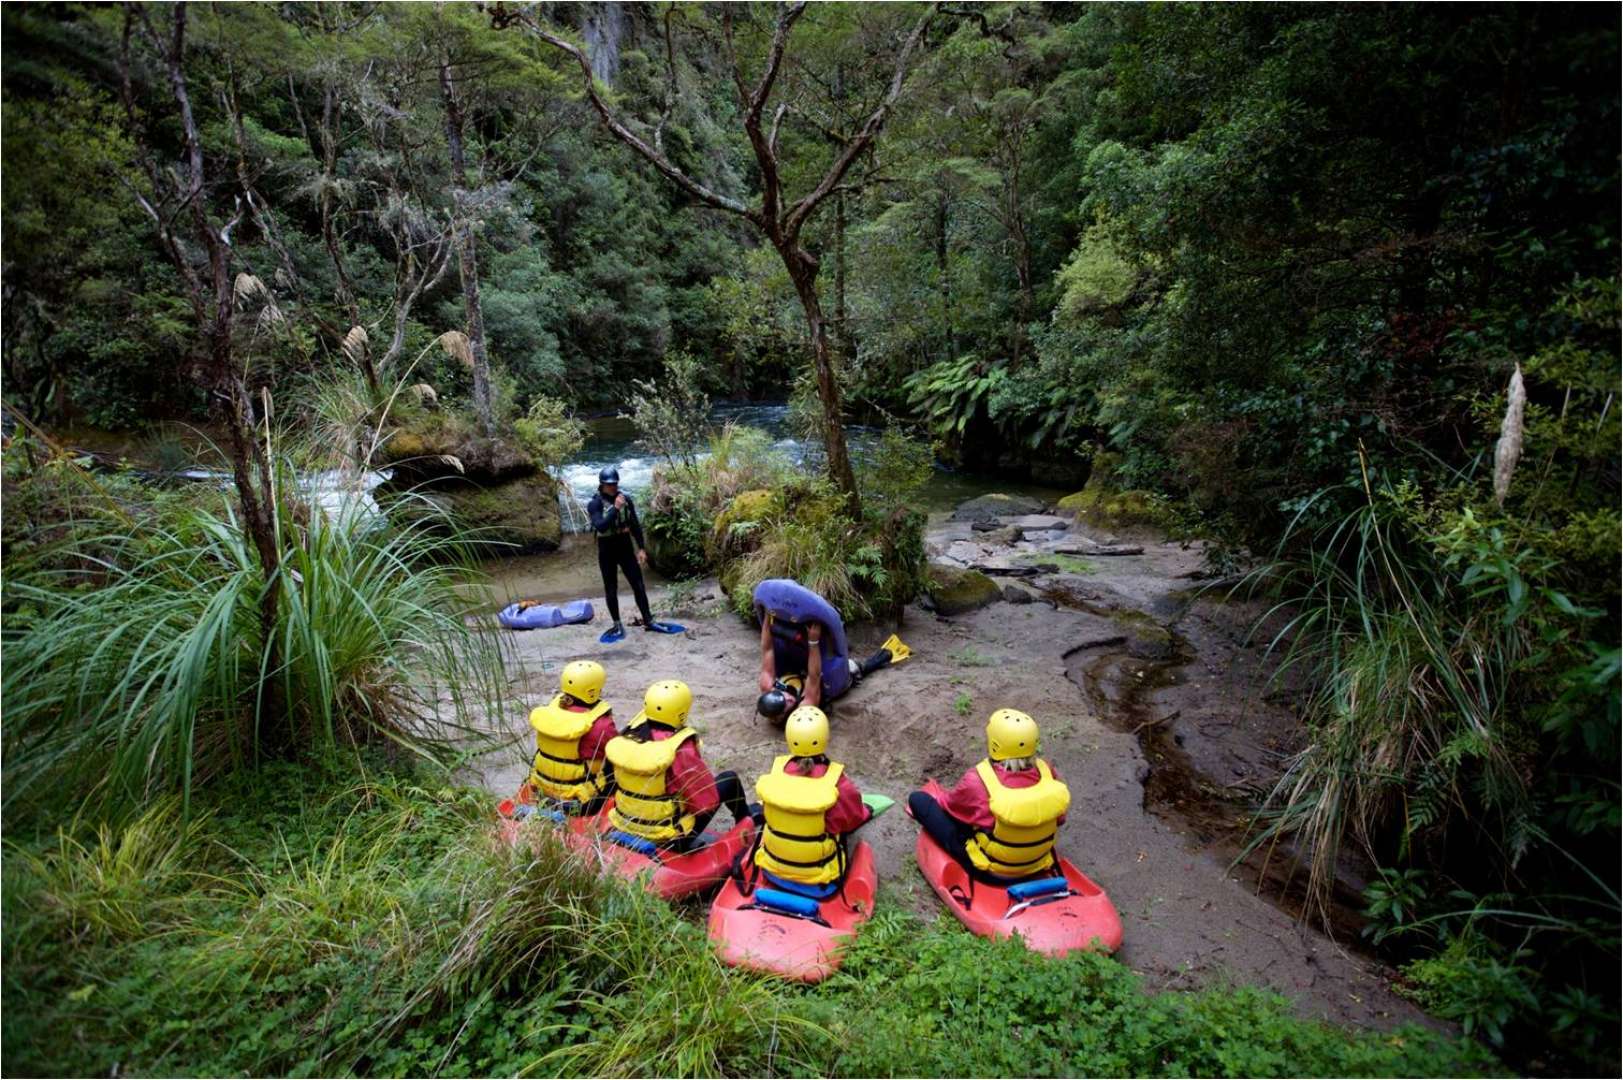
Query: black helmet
{"type": "Point", "coordinates": [772, 704]}
{"type": "Point", "coordinates": [608, 475]}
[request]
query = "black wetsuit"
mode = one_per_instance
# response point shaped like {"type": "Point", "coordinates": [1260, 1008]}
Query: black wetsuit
{"type": "Point", "coordinates": [619, 536]}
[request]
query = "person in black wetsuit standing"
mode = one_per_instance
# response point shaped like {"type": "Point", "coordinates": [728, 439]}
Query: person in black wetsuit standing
{"type": "Point", "coordinates": [619, 546]}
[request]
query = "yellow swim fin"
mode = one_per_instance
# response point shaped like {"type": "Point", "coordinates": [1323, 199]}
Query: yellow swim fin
{"type": "Point", "coordinates": [898, 651]}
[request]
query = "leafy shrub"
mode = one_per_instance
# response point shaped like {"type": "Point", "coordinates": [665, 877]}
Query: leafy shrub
{"type": "Point", "coordinates": [159, 668]}
{"type": "Point", "coordinates": [862, 569]}
{"type": "Point", "coordinates": [1468, 982]}
{"type": "Point", "coordinates": [895, 471]}
{"type": "Point", "coordinates": [549, 433]}
{"type": "Point", "coordinates": [687, 497]}
{"type": "Point", "coordinates": [672, 414]}
{"type": "Point", "coordinates": [1393, 902]}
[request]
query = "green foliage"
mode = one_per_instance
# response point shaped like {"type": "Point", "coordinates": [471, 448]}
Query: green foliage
{"type": "Point", "coordinates": [549, 433]}
{"type": "Point", "coordinates": [1467, 982]}
{"type": "Point", "coordinates": [1393, 902]}
{"type": "Point", "coordinates": [896, 470]}
{"type": "Point", "coordinates": [672, 415]}
{"type": "Point", "coordinates": [943, 1003]}
{"type": "Point", "coordinates": [864, 569]}
{"type": "Point", "coordinates": [375, 909]}
{"type": "Point", "coordinates": [1459, 696]}
{"type": "Point", "coordinates": [158, 665]}
{"type": "Point", "coordinates": [949, 394]}
{"type": "Point", "coordinates": [687, 507]}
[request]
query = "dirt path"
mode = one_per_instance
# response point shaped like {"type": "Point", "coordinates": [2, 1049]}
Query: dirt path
{"type": "Point", "coordinates": [1106, 654]}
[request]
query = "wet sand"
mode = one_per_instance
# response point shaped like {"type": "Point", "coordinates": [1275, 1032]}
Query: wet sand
{"type": "Point", "coordinates": [1088, 663]}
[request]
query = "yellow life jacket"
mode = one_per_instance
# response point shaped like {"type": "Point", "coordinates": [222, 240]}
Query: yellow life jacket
{"type": "Point", "coordinates": [796, 843]}
{"type": "Point", "coordinates": [557, 771]}
{"type": "Point", "coordinates": [644, 805]}
{"type": "Point", "coordinates": [1022, 839]}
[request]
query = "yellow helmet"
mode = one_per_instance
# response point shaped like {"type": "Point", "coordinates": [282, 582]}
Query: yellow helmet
{"type": "Point", "coordinates": [668, 702]}
{"type": "Point", "coordinates": [1010, 733]}
{"type": "Point", "coordinates": [806, 731]}
{"type": "Point", "coordinates": [583, 680]}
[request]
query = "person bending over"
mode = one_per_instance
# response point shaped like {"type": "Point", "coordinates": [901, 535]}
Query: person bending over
{"type": "Point", "coordinates": [664, 791]}
{"type": "Point", "coordinates": [1001, 818]}
{"type": "Point", "coordinates": [804, 654]}
{"type": "Point", "coordinates": [808, 805]}
{"type": "Point", "coordinates": [572, 733]}
{"type": "Point", "coordinates": [620, 547]}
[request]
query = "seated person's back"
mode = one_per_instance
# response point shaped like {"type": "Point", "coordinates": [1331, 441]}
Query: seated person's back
{"type": "Point", "coordinates": [808, 804]}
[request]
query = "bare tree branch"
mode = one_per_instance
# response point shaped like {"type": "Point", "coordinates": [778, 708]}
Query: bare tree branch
{"type": "Point", "coordinates": [860, 142]}
{"type": "Point", "coordinates": [658, 160]}
{"type": "Point", "coordinates": [777, 120]}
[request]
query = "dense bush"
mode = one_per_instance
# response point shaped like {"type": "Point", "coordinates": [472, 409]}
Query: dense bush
{"type": "Point", "coordinates": [738, 509]}
{"type": "Point", "coordinates": [156, 678]}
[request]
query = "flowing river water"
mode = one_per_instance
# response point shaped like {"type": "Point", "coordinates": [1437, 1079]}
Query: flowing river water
{"type": "Point", "coordinates": [571, 572]}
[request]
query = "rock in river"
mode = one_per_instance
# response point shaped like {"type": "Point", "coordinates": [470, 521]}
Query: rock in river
{"type": "Point", "coordinates": [992, 507]}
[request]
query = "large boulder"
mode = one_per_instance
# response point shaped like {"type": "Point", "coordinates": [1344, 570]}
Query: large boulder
{"type": "Point", "coordinates": [1104, 504]}
{"type": "Point", "coordinates": [518, 517]}
{"type": "Point", "coordinates": [419, 456]}
{"type": "Point", "coordinates": [1102, 508]}
{"type": "Point", "coordinates": [957, 592]}
{"type": "Point", "coordinates": [992, 507]}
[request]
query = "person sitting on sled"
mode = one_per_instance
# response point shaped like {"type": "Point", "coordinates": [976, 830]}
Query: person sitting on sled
{"type": "Point", "coordinates": [664, 791]}
{"type": "Point", "coordinates": [795, 623]}
{"type": "Point", "coordinates": [808, 805]}
{"type": "Point", "coordinates": [572, 732]}
{"type": "Point", "coordinates": [1001, 818]}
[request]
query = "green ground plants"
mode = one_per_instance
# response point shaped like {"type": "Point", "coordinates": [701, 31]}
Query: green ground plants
{"type": "Point", "coordinates": [361, 919]}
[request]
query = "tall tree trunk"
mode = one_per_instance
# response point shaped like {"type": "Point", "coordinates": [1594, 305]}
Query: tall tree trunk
{"type": "Point", "coordinates": [219, 372]}
{"type": "Point", "coordinates": [802, 269]}
{"type": "Point", "coordinates": [943, 274]}
{"type": "Point", "coordinates": [1022, 261]}
{"type": "Point", "coordinates": [331, 118]}
{"type": "Point", "coordinates": [842, 325]}
{"type": "Point", "coordinates": [467, 256]}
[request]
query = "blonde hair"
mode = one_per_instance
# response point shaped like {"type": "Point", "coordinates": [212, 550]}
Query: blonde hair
{"type": "Point", "coordinates": [1016, 764]}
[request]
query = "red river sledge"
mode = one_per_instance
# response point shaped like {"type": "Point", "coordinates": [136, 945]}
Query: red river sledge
{"type": "Point", "coordinates": [780, 932]}
{"type": "Point", "coordinates": [1053, 915]}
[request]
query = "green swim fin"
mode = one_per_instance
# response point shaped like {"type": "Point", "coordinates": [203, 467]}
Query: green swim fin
{"type": "Point", "coordinates": [877, 803]}
{"type": "Point", "coordinates": [898, 651]}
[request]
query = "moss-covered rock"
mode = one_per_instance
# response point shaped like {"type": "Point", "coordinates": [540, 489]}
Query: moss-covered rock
{"type": "Point", "coordinates": [1106, 504]}
{"type": "Point", "coordinates": [1106, 509]}
{"type": "Point", "coordinates": [736, 530]}
{"type": "Point", "coordinates": [447, 453]}
{"type": "Point", "coordinates": [957, 592]}
{"type": "Point", "coordinates": [516, 517]}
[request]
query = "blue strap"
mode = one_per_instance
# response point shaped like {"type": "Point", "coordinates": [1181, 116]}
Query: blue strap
{"type": "Point", "coordinates": [1028, 889]}
{"type": "Point", "coordinates": [815, 892]}
{"type": "Point", "coordinates": [635, 843]}
{"type": "Point", "coordinates": [788, 903]}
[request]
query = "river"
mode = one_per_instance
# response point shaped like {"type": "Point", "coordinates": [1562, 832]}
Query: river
{"type": "Point", "coordinates": [571, 572]}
